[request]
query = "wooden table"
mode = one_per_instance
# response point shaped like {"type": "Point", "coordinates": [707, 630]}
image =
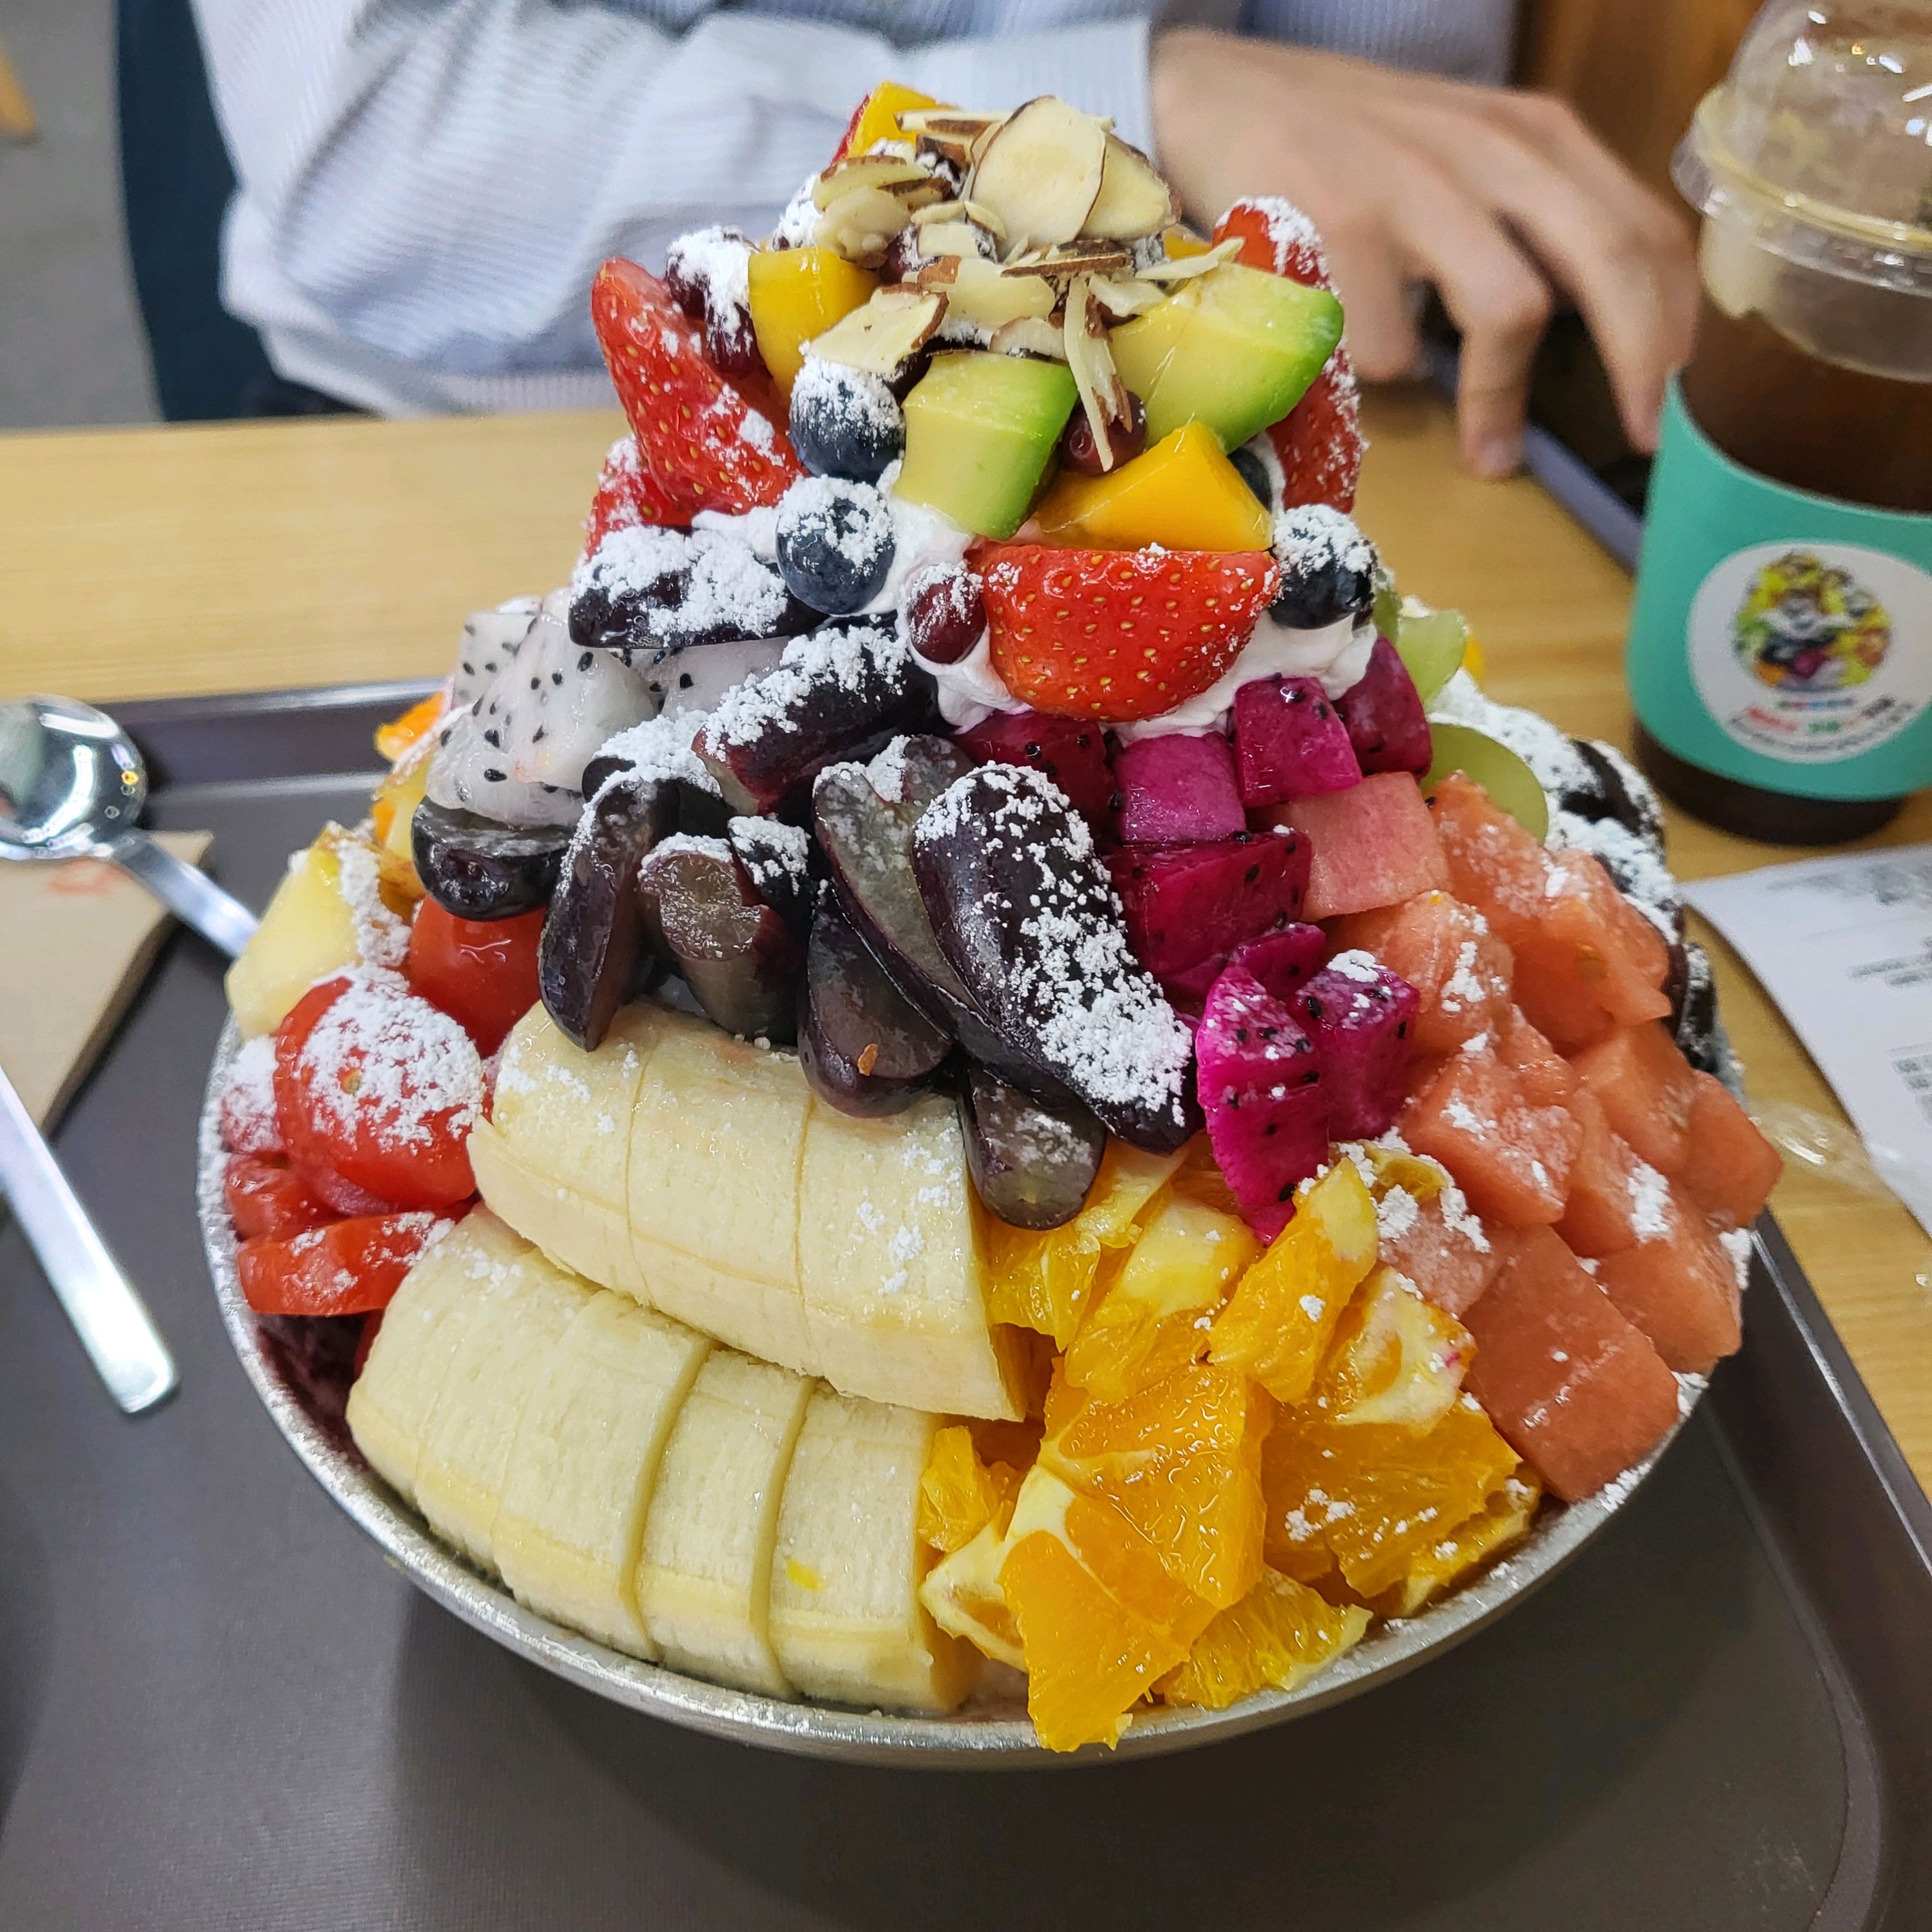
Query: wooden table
{"type": "Point", "coordinates": [155, 562]}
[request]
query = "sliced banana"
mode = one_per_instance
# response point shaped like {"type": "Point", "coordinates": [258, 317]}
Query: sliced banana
{"type": "Point", "coordinates": [585, 1466]}
{"type": "Point", "coordinates": [846, 1620]}
{"type": "Point", "coordinates": [704, 1575]}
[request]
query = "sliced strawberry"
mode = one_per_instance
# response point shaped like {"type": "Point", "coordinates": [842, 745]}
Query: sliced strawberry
{"type": "Point", "coordinates": [706, 446]}
{"type": "Point", "coordinates": [627, 495]}
{"type": "Point", "coordinates": [1117, 634]}
{"type": "Point", "coordinates": [1319, 442]}
{"type": "Point", "coordinates": [845, 140]}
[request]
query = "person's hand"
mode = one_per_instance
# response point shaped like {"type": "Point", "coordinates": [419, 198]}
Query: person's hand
{"type": "Point", "coordinates": [1504, 201]}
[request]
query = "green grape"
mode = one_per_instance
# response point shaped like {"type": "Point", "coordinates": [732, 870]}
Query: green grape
{"type": "Point", "coordinates": [1432, 647]}
{"type": "Point", "coordinates": [1458, 747]}
{"type": "Point", "coordinates": [1386, 610]}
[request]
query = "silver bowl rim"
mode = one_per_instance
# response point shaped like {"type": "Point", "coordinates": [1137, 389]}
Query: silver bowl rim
{"type": "Point", "coordinates": [993, 1739]}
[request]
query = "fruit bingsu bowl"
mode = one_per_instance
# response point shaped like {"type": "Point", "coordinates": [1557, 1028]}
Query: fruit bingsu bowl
{"type": "Point", "coordinates": [974, 1073]}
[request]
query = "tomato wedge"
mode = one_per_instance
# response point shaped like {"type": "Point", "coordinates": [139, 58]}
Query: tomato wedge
{"type": "Point", "coordinates": [481, 972]}
{"type": "Point", "coordinates": [377, 1086]}
{"type": "Point", "coordinates": [348, 1268]}
{"type": "Point", "coordinates": [267, 1197]}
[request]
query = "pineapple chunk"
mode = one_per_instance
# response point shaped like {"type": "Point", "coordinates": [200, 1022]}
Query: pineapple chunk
{"type": "Point", "coordinates": [344, 902]}
{"type": "Point", "coordinates": [393, 809]}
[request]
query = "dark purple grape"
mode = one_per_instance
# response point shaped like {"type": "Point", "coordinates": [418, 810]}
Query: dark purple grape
{"type": "Point", "coordinates": [475, 868]}
{"type": "Point", "coordinates": [731, 343]}
{"type": "Point", "coordinates": [777, 860]}
{"type": "Point", "coordinates": [1254, 474]}
{"type": "Point", "coordinates": [832, 692]}
{"type": "Point", "coordinates": [845, 422]}
{"type": "Point", "coordinates": [835, 543]}
{"type": "Point", "coordinates": [865, 1047]}
{"type": "Point", "coordinates": [650, 591]}
{"type": "Point", "coordinates": [943, 612]}
{"type": "Point", "coordinates": [1080, 448]}
{"type": "Point", "coordinates": [1023, 911]}
{"type": "Point", "coordinates": [740, 960]}
{"type": "Point", "coordinates": [588, 955]}
{"type": "Point", "coordinates": [1033, 1164]}
{"type": "Point", "coordinates": [705, 272]}
{"type": "Point", "coordinates": [1327, 568]}
{"type": "Point", "coordinates": [1693, 1006]}
{"type": "Point", "coordinates": [1615, 790]}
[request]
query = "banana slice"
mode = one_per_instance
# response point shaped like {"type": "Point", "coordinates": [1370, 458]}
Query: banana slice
{"type": "Point", "coordinates": [507, 1329]}
{"type": "Point", "coordinates": [551, 1095]}
{"type": "Point", "coordinates": [890, 1260]}
{"type": "Point", "coordinates": [846, 1620]}
{"type": "Point", "coordinates": [704, 1577]}
{"type": "Point", "coordinates": [394, 1398]}
{"type": "Point", "coordinates": [585, 1464]}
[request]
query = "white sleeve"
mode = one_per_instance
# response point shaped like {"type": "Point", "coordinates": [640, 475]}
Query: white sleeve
{"type": "Point", "coordinates": [439, 178]}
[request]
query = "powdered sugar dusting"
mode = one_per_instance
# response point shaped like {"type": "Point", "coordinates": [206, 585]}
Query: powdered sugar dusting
{"type": "Point", "coordinates": [659, 750]}
{"type": "Point", "coordinates": [388, 1064]}
{"type": "Point", "coordinates": [1650, 1202]}
{"type": "Point", "coordinates": [249, 1122]}
{"type": "Point", "coordinates": [855, 659]}
{"type": "Point", "coordinates": [776, 854]}
{"type": "Point", "coordinates": [381, 938]}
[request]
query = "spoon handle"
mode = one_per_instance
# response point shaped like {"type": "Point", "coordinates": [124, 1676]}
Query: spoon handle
{"type": "Point", "coordinates": [107, 1313]}
{"type": "Point", "coordinates": [224, 921]}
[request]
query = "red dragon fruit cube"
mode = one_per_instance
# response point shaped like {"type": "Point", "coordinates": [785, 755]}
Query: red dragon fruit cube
{"type": "Point", "coordinates": [1072, 751]}
{"type": "Point", "coordinates": [1178, 788]}
{"type": "Point", "coordinates": [1361, 1018]}
{"type": "Point", "coordinates": [1261, 1090]}
{"type": "Point", "coordinates": [1186, 905]}
{"type": "Point", "coordinates": [1282, 961]}
{"type": "Point", "coordinates": [1289, 743]}
{"type": "Point", "coordinates": [1383, 713]}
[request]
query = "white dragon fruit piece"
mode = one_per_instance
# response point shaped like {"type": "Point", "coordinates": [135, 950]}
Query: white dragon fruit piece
{"type": "Point", "coordinates": [693, 679]}
{"type": "Point", "coordinates": [516, 755]}
{"type": "Point", "coordinates": [490, 641]}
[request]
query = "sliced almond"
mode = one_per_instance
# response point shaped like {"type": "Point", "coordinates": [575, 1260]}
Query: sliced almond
{"type": "Point", "coordinates": [1039, 171]}
{"type": "Point", "coordinates": [1185, 268]}
{"type": "Point", "coordinates": [884, 333]}
{"type": "Point", "coordinates": [1030, 335]}
{"type": "Point", "coordinates": [939, 211]}
{"type": "Point", "coordinates": [952, 122]}
{"type": "Point", "coordinates": [1134, 200]}
{"type": "Point", "coordinates": [1095, 257]}
{"type": "Point", "coordinates": [878, 171]}
{"type": "Point", "coordinates": [1103, 394]}
{"type": "Point", "coordinates": [940, 272]}
{"type": "Point", "coordinates": [952, 238]}
{"type": "Point", "coordinates": [979, 293]}
{"type": "Point", "coordinates": [977, 211]}
{"type": "Point", "coordinates": [859, 225]}
{"type": "Point", "coordinates": [1120, 296]}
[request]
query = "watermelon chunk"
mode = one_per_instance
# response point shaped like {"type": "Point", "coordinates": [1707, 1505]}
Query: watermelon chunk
{"type": "Point", "coordinates": [1677, 1285]}
{"type": "Point", "coordinates": [1361, 1018]}
{"type": "Point", "coordinates": [1513, 1159]}
{"type": "Point", "coordinates": [1547, 1079]}
{"type": "Point", "coordinates": [1440, 1246]}
{"type": "Point", "coordinates": [1260, 1084]}
{"type": "Point", "coordinates": [1494, 864]}
{"type": "Point", "coordinates": [1647, 1088]}
{"type": "Point", "coordinates": [1282, 961]}
{"type": "Point", "coordinates": [1178, 789]}
{"type": "Point", "coordinates": [1571, 1385]}
{"type": "Point", "coordinates": [1289, 742]}
{"type": "Point", "coordinates": [1372, 845]}
{"type": "Point", "coordinates": [1731, 1168]}
{"type": "Point", "coordinates": [1593, 961]}
{"type": "Point", "coordinates": [1383, 714]}
{"type": "Point", "coordinates": [1460, 970]}
{"type": "Point", "coordinates": [1072, 751]}
{"type": "Point", "coordinates": [1610, 1189]}
{"type": "Point", "coordinates": [1188, 905]}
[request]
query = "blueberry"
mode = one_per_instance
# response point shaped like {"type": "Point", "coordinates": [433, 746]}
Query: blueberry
{"type": "Point", "coordinates": [1254, 474]}
{"type": "Point", "coordinates": [1327, 568]}
{"type": "Point", "coordinates": [845, 422]}
{"type": "Point", "coordinates": [835, 542]}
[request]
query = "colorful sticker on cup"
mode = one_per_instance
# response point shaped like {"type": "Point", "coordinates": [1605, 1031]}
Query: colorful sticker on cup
{"type": "Point", "coordinates": [1797, 649]}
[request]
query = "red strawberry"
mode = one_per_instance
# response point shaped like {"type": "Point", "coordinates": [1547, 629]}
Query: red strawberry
{"type": "Point", "coordinates": [627, 495]}
{"type": "Point", "coordinates": [1117, 634]}
{"type": "Point", "coordinates": [844, 146]}
{"type": "Point", "coordinates": [707, 447]}
{"type": "Point", "coordinates": [1319, 441]}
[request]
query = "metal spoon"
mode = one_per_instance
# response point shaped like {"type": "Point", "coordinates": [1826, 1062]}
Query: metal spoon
{"type": "Point", "coordinates": [71, 786]}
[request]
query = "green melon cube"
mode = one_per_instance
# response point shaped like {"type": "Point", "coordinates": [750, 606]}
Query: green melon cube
{"type": "Point", "coordinates": [980, 431]}
{"type": "Point", "coordinates": [1235, 348]}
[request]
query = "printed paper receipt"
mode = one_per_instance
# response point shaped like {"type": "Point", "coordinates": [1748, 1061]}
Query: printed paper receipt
{"type": "Point", "coordinates": [1844, 946]}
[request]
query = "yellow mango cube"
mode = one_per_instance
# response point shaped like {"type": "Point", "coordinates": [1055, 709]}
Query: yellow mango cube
{"type": "Point", "coordinates": [798, 293]}
{"type": "Point", "coordinates": [1183, 493]}
{"type": "Point", "coordinates": [878, 116]}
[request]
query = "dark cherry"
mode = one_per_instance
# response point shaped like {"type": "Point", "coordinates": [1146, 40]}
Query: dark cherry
{"type": "Point", "coordinates": [943, 613]}
{"type": "Point", "coordinates": [1080, 449]}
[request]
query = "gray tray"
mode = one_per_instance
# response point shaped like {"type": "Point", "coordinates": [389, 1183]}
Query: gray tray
{"type": "Point", "coordinates": [218, 1708]}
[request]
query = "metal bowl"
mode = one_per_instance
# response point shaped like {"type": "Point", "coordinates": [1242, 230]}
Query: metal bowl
{"type": "Point", "coordinates": [992, 1730]}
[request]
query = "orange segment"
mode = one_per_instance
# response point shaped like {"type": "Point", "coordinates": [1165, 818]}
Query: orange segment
{"type": "Point", "coordinates": [1374, 1497]}
{"type": "Point", "coordinates": [1100, 1620]}
{"type": "Point", "coordinates": [961, 1594]}
{"type": "Point", "coordinates": [1395, 1359]}
{"type": "Point", "coordinates": [1181, 1463]}
{"type": "Point", "coordinates": [1278, 1635]}
{"type": "Point", "coordinates": [1277, 1325]}
{"type": "Point", "coordinates": [1500, 1522]}
{"type": "Point", "coordinates": [1199, 1177]}
{"type": "Point", "coordinates": [1154, 1317]}
{"type": "Point", "coordinates": [403, 733]}
{"type": "Point", "coordinates": [1045, 1281]}
{"type": "Point", "coordinates": [958, 1494]}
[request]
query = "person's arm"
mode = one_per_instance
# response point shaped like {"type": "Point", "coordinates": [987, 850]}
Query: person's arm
{"type": "Point", "coordinates": [439, 178]}
{"type": "Point", "coordinates": [1502, 200]}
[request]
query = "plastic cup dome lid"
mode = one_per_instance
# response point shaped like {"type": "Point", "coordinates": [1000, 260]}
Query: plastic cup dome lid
{"type": "Point", "coordinates": [1819, 143]}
